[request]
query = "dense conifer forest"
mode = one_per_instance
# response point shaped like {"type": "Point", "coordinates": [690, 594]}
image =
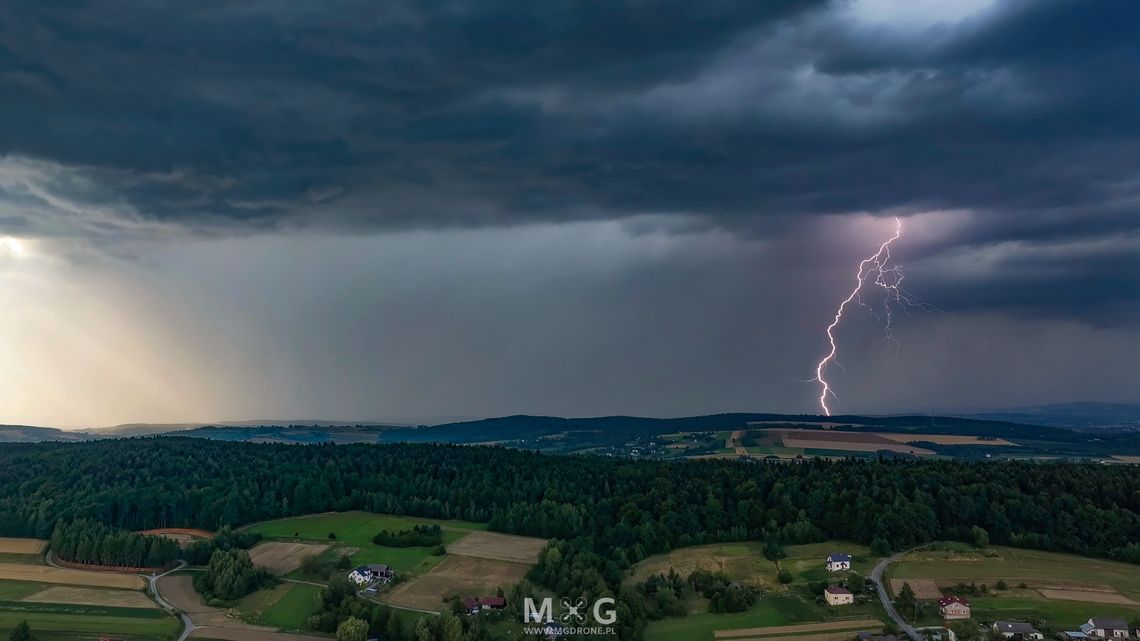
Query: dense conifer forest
{"type": "Point", "coordinates": [605, 513]}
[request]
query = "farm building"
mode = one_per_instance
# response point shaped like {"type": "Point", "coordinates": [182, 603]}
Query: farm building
{"type": "Point", "coordinates": [1072, 635]}
{"type": "Point", "coordinates": [953, 607]}
{"type": "Point", "coordinates": [1018, 630]}
{"type": "Point", "coordinates": [1106, 628]}
{"type": "Point", "coordinates": [476, 604]}
{"type": "Point", "coordinates": [838, 561]}
{"type": "Point", "coordinates": [835, 595]}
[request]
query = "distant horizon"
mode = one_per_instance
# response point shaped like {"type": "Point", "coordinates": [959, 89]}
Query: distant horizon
{"type": "Point", "coordinates": [430, 421]}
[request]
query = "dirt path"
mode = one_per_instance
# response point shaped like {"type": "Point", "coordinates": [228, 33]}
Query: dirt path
{"type": "Point", "coordinates": [733, 442]}
{"type": "Point", "coordinates": [250, 634]}
{"type": "Point", "coordinates": [803, 627]}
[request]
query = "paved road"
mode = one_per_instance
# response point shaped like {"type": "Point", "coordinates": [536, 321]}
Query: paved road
{"type": "Point", "coordinates": [885, 597]}
{"type": "Point", "coordinates": [152, 588]}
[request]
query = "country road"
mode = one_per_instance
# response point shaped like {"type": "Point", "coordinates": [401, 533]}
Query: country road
{"type": "Point", "coordinates": [152, 590]}
{"type": "Point", "coordinates": [885, 596]}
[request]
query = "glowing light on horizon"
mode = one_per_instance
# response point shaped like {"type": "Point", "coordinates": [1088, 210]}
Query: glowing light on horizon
{"type": "Point", "coordinates": [883, 274]}
{"type": "Point", "coordinates": [13, 246]}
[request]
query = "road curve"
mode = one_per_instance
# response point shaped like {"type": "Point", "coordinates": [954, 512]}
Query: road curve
{"type": "Point", "coordinates": [885, 597]}
{"type": "Point", "coordinates": [152, 590]}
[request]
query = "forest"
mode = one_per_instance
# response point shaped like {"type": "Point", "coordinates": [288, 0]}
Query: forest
{"type": "Point", "coordinates": [94, 543]}
{"type": "Point", "coordinates": [605, 513]}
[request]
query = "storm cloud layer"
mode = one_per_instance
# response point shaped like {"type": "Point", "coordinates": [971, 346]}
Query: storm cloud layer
{"type": "Point", "coordinates": [742, 148]}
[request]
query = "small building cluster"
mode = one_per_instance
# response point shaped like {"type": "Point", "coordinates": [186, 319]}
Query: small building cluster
{"type": "Point", "coordinates": [367, 575]}
{"type": "Point", "coordinates": [476, 604]}
{"type": "Point", "coordinates": [1106, 628]}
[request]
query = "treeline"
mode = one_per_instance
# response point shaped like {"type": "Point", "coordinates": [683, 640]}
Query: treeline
{"type": "Point", "coordinates": [93, 543]}
{"type": "Point", "coordinates": [418, 536]}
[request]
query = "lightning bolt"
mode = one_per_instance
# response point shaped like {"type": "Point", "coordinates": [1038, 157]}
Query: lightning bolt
{"type": "Point", "coordinates": [879, 271]}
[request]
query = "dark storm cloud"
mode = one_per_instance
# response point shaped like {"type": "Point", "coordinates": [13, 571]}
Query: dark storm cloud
{"type": "Point", "coordinates": [169, 118]}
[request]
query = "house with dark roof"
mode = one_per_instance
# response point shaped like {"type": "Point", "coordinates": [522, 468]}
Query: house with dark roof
{"type": "Point", "coordinates": [1017, 630]}
{"type": "Point", "coordinates": [476, 604]}
{"type": "Point", "coordinates": [953, 608]}
{"type": "Point", "coordinates": [366, 574]}
{"type": "Point", "coordinates": [1106, 628]}
{"type": "Point", "coordinates": [838, 561]}
{"type": "Point", "coordinates": [835, 595]}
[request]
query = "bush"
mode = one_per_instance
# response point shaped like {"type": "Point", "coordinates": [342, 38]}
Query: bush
{"type": "Point", "coordinates": [784, 576]}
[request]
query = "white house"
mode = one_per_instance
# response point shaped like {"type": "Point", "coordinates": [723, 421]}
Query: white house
{"type": "Point", "coordinates": [1017, 630]}
{"type": "Point", "coordinates": [1106, 628]}
{"type": "Point", "coordinates": [361, 575]}
{"type": "Point", "coordinates": [366, 574]}
{"type": "Point", "coordinates": [837, 561]}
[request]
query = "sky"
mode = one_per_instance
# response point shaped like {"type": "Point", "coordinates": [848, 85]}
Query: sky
{"type": "Point", "coordinates": [420, 211]}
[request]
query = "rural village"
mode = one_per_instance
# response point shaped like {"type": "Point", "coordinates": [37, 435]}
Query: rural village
{"type": "Point", "coordinates": [940, 592]}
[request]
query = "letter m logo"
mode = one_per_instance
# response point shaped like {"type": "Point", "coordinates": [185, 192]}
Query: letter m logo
{"type": "Point", "coordinates": [545, 614]}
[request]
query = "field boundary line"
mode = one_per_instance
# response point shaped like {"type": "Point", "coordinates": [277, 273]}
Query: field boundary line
{"type": "Point", "coordinates": [824, 626]}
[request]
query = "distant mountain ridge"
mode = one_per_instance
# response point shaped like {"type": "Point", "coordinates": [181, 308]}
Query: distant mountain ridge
{"type": "Point", "coordinates": [521, 430]}
{"type": "Point", "coordinates": [1086, 416]}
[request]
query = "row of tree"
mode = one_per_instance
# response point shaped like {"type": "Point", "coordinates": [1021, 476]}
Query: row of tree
{"type": "Point", "coordinates": [94, 543]}
{"type": "Point", "coordinates": [418, 536]}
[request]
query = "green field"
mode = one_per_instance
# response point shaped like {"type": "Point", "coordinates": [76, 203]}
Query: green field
{"type": "Point", "coordinates": [806, 562]}
{"type": "Point", "coordinates": [779, 605]}
{"type": "Point", "coordinates": [740, 561]}
{"type": "Point", "coordinates": [291, 611]}
{"type": "Point", "coordinates": [70, 620]}
{"type": "Point", "coordinates": [771, 610]}
{"type": "Point", "coordinates": [1060, 614]}
{"type": "Point", "coordinates": [745, 562]}
{"type": "Point", "coordinates": [16, 590]}
{"type": "Point", "coordinates": [1016, 565]}
{"type": "Point", "coordinates": [967, 565]}
{"type": "Point", "coordinates": [356, 529]}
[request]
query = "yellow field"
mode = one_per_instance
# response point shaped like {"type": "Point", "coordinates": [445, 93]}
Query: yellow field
{"type": "Point", "coordinates": [944, 439]}
{"type": "Point", "coordinates": [461, 576]}
{"type": "Point", "coordinates": [281, 557]}
{"type": "Point", "coordinates": [501, 547]}
{"type": "Point", "coordinates": [88, 596]}
{"type": "Point", "coordinates": [853, 446]}
{"type": "Point", "coordinates": [740, 561]}
{"type": "Point", "coordinates": [1088, 596]}
{"type": "Point", "coordinates": [48, 574]}
{"type": "Point", "coordinates": [22, 546]}
{"type": "Point", "coordinates": [923, 588]}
